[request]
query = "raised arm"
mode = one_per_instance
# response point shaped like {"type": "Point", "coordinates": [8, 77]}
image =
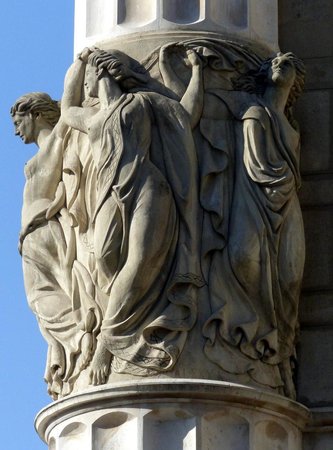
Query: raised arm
{"type": "Point", "coordinates": [170, 79]}
{"type": "Point", "coordinates": [192, 100]}
{"type": "Point", "coordinates": [71, 111]}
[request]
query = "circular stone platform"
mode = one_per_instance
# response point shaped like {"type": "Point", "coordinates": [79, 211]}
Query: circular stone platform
{"type": "Point", "coordinates": [173, 415]}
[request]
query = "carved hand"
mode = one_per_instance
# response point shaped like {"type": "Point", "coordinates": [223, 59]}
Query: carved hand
{"type": "Point", "coordinates": [84, 55]}
{"type": "Point", "coordinates": [193, 58]}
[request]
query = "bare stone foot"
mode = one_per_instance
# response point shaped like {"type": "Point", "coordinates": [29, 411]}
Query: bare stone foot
{"type": "Point", "coordinates": [100, 366]}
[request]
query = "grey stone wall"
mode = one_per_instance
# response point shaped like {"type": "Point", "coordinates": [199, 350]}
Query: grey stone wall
{"type": "Point", "coordinates": [305, 27]}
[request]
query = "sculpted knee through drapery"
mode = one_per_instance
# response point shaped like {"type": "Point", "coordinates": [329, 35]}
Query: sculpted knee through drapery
{"type": "Point", "coordinates": [171, 213]}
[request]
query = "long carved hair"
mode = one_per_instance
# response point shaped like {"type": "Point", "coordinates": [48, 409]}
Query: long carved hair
{"type": "Point", "coordinates": [124, 69]}
{"type": "Point", "coordinates": [37, 103]}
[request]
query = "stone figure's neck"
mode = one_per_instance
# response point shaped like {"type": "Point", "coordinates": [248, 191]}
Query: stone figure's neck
{"type": "Point", "coordinates": [276, 97]}
{"type": "Point", "coordinates": [108, 91]}
{"type": "Point", "coordinates": [41, 135]}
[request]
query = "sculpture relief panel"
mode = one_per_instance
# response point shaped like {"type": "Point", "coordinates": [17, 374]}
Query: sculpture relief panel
{"type": "Point", "coordinates": [162, 204]}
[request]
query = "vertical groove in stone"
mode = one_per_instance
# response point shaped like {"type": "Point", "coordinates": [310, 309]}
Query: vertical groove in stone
{"type": "Point", "coordinates": [91, 12]}
{"type": "Point", "coordinates": [226, 13]}
{"type": "Point", "coordinates": [238, 13]}
{"type": "Point", "coordinates": [100, 17]}
{"type": "Point", "coordinates": [263, 19]}
{"type": "Point", "coordinates": [232, 430]}
{"type": "Point", "coordinates": [73, 435]}
{"type": "Point", "coordinates": [136, 12]}
{"type": "Point", "coordinates": [180, 11]}
{"type": "Point", "coordinates": [179, 426]}
{"type": "Point", "coordinates": [271, 435]}
{"type": "Point", "coordinates": [114, 431]}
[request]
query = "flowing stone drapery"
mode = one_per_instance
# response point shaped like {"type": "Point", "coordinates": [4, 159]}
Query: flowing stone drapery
{"type": "Point", "coordinates": [178, 184]}
{"type": "Point", "coordinates": [253, 238]}
{"type": "Point", "coordinates": [139, 222]}
{"type": "Point", "coordinates": [63, 304]}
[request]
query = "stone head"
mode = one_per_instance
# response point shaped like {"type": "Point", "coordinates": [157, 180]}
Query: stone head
{"type": "Point", "coordinates": [288, 71]}
{"type": "Point", "coordinates": [33, 111]}
{"type": "Point", "coordinates": [122, 68]}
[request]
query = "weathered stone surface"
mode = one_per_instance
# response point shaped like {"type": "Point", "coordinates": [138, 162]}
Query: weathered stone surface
{"type": "Point", "coordinates": [315, 371]}
{"type": "Point", "coordinates": [316, 191]}
{"type": "Point", "coordinates": [319, 73]}
{"type": "Point", "coordinates": [300, 21]}
{"type": "Point", "coordinates": [315, 135]}
{"type": "Point", "coordinates": [305, 27]}
{"type": "Point", "coordinates": [316, 309]}
{"type": "Point", "coordinates": [318, 441]}
{"type": "Point", "coordinates": [318, 224]}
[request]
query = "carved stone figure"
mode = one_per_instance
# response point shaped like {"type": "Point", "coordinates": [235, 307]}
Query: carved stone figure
{"type": "Point", "coordinates": [262, 263]}
{"type": "Point", "coordinates": [47, 246]}
{"type": "Point", "coordinates": [141, 225]}
{"type": "Point", "coordinates": [173, 190]}
{"type": "Point", "coordinates": [252, 235]}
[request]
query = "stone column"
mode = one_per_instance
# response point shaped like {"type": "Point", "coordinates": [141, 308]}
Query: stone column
{"type": "Point", "coordinates": [169, 413]}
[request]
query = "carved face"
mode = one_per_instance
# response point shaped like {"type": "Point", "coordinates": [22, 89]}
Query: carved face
{"type": "Point", "coordinates": [25, 127]}
{"type": "Point", "coordinates": [282, 71]}
{"type": "Point", "coordinates": [91, 81]}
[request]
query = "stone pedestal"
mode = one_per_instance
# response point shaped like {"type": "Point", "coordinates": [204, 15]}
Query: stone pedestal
{"type": "Point", "coordinates": [173, 415]}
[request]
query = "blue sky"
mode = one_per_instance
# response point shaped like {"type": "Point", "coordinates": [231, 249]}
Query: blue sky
{"type": "Point", "coordinates": [36, 47]}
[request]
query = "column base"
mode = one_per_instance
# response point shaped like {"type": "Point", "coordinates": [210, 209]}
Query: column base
{"type": "Point", "coordinates": [173, 415]}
